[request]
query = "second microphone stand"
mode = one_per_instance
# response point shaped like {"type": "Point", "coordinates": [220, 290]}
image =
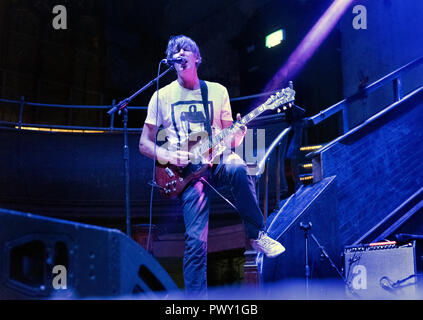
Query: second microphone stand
{"type": "Point", "coordinates": [306, 227]}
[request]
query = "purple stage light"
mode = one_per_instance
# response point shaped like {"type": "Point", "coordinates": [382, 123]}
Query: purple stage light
{"type": "Point", "coordinates": [309, 45]}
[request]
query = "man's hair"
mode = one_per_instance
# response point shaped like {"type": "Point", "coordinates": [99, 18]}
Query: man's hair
{"type": "Point", "coordinates": [176, 43]}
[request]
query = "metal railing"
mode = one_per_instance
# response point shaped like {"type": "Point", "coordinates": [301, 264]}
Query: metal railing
{"type": "Point", "coordinates": [394, 78]}
{"type": "Point", "coordinates": [23, 103]}
{"type": "Point", "coordinates": [263, 166]}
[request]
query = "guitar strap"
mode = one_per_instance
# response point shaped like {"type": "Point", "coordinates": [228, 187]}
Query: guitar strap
{"type": "Point", "coordinates": [205, 97]}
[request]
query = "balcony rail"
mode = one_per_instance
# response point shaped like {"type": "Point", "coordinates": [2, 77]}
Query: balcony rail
{"type": "Point", "coordinates": [394, 78]}
{"type": "Point", "coordinates": [23, 104]}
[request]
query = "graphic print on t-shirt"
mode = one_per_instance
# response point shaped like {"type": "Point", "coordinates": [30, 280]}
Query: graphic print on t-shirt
{"type": "Point", "coordinates": [189, 117]}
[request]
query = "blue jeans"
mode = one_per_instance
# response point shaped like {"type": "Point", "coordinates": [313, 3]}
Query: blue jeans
{"type": "Point", "coordinates": [195, 207]}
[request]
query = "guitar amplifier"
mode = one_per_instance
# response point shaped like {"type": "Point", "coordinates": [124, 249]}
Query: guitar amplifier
{"type": "Point", "coordinates": [383, 270]}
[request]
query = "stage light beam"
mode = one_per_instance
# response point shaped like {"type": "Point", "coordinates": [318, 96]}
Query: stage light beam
{"type": "Point", "coordinates": [308, 46]}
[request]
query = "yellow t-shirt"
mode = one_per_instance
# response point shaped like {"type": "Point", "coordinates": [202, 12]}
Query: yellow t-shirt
{"type": "Point", "coordinates": [181, 111]}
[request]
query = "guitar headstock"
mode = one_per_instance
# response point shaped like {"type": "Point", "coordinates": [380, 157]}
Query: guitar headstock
{"type": "Point", "coordinates": [282, 97]}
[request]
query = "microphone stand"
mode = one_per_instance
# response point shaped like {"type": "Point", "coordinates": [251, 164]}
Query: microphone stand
{"type": "Point", "coordinates": [325, 255]}
{"type": "Point", "coordinates": [306, 227]}
{"type": "Point", "coordinates": [122, 105]}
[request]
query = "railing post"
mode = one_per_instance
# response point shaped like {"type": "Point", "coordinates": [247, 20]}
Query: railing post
{"type": "Point", "coordinates": [397, 88]}
{"type": "Point", "coordinates": [21, 111]}
{"type": "Point", "coordinates": [345, 122]}
{"type": "Point", "coordinates": [278, 175]}
{"type": "Point", "coordinates": [257, 182]}
{"type": "Point", "coordinates": [266, 190]}
{"type": "Point", "coordinates": [251, 272]}
{"type": "Point", "coordinates": [112, 117]}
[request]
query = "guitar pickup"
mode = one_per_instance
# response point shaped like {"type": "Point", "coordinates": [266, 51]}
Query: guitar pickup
{"type": "Point", "coordinates": [170, 173]}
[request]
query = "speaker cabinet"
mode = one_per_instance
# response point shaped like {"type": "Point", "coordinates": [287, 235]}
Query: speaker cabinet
{"type": "Point", "coordinates": [44, 258]}
{"type": "Point", "coordinates": [382, 270]}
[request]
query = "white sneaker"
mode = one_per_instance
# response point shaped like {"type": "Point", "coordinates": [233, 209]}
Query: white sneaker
{"type": "Point", "coordinates": [271, 248]}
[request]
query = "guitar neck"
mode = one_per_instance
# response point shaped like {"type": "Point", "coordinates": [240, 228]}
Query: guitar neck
{"type": "Point", "coordinates": [281, 97]}
{"type": "Point", "coordinates": [218, 138]}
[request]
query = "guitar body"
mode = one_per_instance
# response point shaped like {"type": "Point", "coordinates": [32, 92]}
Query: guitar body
{"type": "Point", "coordinates": [173, 180]}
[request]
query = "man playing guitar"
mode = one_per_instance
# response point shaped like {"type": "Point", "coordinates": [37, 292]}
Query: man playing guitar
{"type": "Point", "coordinates": [179, 108]}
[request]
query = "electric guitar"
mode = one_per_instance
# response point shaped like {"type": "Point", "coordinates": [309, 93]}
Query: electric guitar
{"type": "Point", "coordinates": [172, 179]}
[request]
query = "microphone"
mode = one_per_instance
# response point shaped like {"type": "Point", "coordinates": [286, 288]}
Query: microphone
{"type": "Point", "coordinates": [305, 226]}
{"type": "Point", "coordinates": [176, 60]}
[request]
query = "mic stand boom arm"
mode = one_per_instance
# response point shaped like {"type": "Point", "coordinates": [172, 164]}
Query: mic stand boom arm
{"type": "Point", "coordinates": [324, 254]}
{"type": "Point", "coordinates": [126, 101]}
{"type": "Point", "coordinates": [122, 106]}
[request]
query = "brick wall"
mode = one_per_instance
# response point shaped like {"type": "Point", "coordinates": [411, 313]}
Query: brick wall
{"type": "Point", "coordinates": [377, 166]}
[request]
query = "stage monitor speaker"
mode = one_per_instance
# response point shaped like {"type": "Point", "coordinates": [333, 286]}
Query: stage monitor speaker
{"type": "Point", "coordinates": [46, 258]}
{"type": "Point", "coordinates": [382, 270]}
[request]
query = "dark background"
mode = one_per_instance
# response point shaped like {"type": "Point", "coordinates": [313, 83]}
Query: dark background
{"type": "Point", "coordinates": [112, 48]}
